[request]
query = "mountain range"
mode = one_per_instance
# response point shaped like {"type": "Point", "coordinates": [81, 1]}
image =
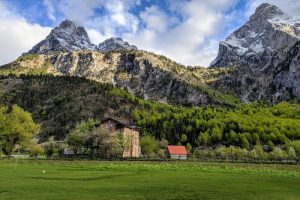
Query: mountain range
{"type": "Point", "coordinates": [259, 61]}
{"type": "Point", "coordinates": [67, 37]}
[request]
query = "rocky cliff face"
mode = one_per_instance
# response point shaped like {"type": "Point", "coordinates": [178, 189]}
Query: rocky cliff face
{"type": "Point", "coordinates": [265, 56]}
{"type": "Point", "coordinates": [267, 32]}
{"type": "Point", "coordinates": [142, 73]}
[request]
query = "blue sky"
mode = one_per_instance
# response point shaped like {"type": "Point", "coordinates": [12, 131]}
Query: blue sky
{"type": "Point", "coordinates": [187, 31]}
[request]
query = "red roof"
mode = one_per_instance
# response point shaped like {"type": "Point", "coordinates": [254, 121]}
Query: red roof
{"type": "Point", "coordinates": [177, 150]}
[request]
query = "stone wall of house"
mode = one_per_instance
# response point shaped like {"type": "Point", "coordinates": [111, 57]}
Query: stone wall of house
{"type": "Point", "coordinates": [132, 143]}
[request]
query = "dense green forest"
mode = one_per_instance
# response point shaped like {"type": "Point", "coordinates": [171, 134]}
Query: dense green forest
{"type": "Point", "coordinates": [59, 103]}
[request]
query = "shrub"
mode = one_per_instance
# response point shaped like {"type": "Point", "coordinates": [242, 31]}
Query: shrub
{"type": "Point", "coordinates": [49, 150]}
{"type": "Point", "coordinates": [202, 153]}
{"type": "Point", "coordinates": [37, 150]}
{"type": "Point", "coordinates": [291, 153]}
{"type": "Point", "coordinates": [148, 145]}
{"type": "Point", "coordinates": [278, 154]}
{"type": "Point", "coordinates": [296, 145]}
{"type": "Point", "coordinates": [222, 152]}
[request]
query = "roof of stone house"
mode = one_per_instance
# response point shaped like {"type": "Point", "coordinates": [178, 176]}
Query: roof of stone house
{"type": "Point", "coordinates": [119, 122]}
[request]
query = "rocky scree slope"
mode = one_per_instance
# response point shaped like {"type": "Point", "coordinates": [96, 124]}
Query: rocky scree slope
{"type": "Point", "coordinates": [264, 55]}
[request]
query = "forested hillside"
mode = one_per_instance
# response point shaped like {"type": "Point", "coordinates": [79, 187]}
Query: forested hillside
{"type": "Point", "coordinates": [59, 103]}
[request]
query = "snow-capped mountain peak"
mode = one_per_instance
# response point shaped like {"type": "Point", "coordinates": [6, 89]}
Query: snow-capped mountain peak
{"type": "Point", "coordinates": [268, 30]}
{"type": "Point", "coordinates": [265, 54]}
{"type": "Point", "coordinates": [66, 37]}
{"type": "Point", "coordinates": [69, 37]}
{"type": "Point", "coordinates": [266, 11]}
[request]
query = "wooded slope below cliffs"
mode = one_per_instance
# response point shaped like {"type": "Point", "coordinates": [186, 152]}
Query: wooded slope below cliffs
{"type": "Point", "coordinates": [58, 103]}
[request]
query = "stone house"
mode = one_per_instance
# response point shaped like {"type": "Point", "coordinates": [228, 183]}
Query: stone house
{"type": "Point", "coordinates": [131, 135]}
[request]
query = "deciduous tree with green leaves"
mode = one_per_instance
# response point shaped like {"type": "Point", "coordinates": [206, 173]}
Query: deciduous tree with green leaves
{"type": "Point", "coordinates": [16, 128]}
{"type": "Point", "coordinates": [148, 145]}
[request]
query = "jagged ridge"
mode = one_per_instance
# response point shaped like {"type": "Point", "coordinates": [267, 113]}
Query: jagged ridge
{"type": "Point", "coordinates": [68, 37]}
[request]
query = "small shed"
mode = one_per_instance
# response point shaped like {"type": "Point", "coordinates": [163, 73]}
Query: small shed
{"type": "Point", "coordinates": [177, 152]}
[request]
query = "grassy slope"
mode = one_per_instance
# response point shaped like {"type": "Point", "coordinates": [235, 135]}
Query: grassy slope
{"type": "Point", "coordinates": [137, 180]}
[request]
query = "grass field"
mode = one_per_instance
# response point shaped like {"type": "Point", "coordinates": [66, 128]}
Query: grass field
{"type": "Point", "coordinates": [86, 180]}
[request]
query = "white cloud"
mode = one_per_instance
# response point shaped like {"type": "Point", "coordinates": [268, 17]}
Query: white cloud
{"type": "Point", "coordinates": [186, 42]}
{"type": "Point", "coordinates": [50, 9]}
{"type": "Point", "coordinates": [78, 11]}
{"type": "Point", "coordinates": [154, 19]}
{"type": "Point", "coordinates": [17, 35]}
{"type": "Point", "coordinates": [96, 37]}
{"type": "Point", "coordinates": [115, 18]}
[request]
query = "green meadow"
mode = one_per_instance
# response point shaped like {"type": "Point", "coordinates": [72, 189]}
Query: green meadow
{"type": "Point", "coordinates": [146, 180]}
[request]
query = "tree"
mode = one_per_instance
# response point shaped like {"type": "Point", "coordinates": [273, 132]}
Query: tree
{"type": "Point", "coordinates": [77, 138]}
{"type": "Point", "coordinates": [270, 145]}
{"type": "Point", "coordinates": [49, 147]}
{"type": "Point", "coordinates": [183, 138]}
{"type": "Point", "coordinates": [260, 152]}
{"type": "Point", "coordinates": [101, 142]}
{"type": "Point", "coordinates": [117, 145]}
{"type": "Point", "coordinates": [37, 150]}
{"type": "Point", "coordinates": [16, 128]}
{"type": "Point", "coordinates": [148, 145]}
{"type": "Point", "coordinates": [256, 139]}
{"type": "Point", "coordinates": [189, 147]}
{"type": "Point", "coordinates": [244, 142]}
{"type": "Point", "coordinates": [203, 139]}
{"type": "Point", "coordinates": [163, 145]}
{"type": "Point", "coordinates": [216, 134]}
{"type": "Point", "coordinates": [232, 136]}
{"type": "Point", "coordinates": [292, 153]}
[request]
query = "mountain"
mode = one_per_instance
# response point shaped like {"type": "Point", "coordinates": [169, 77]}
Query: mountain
{"type": "Point", "coordinates": [259, 61]}
{"type": "Point", "coordinates": [113, 44]}
{"type": "Point", "coordinates": [264, 54]}
{"type": "Point", "coordinates": [142, 73]}
{"type": "Point", "coordinates": [266, 33]}
{"type": "Point", "coordinates": [115, 61]}
{"type": "Point", "coordinates": [67, 37]}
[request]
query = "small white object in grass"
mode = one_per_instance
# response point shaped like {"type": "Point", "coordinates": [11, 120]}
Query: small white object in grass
{"type": "Point", "coordinates": [44, 171]}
